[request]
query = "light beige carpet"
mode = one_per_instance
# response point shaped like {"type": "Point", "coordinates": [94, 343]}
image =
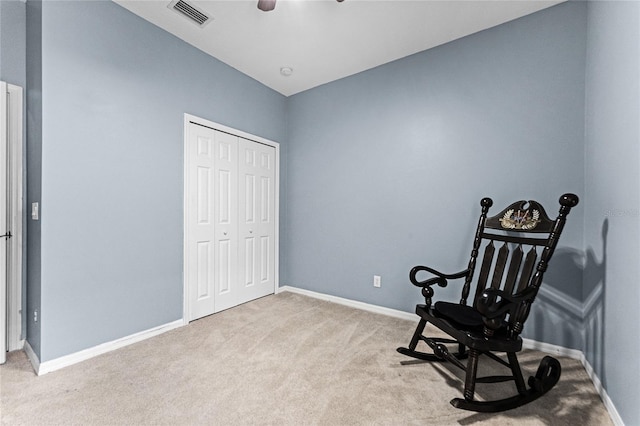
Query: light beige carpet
{"type": "Point", "coordinates": [281, 360]}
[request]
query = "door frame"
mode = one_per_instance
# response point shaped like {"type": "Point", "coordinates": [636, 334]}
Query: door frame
{"type": "Point", "coordinates": [12, 98]}
{"type": "Point", "coordinates": [188, 118]}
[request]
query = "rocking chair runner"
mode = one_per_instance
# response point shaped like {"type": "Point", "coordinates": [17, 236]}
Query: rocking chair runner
{"type": "Point", "coordinates": [492, 323]}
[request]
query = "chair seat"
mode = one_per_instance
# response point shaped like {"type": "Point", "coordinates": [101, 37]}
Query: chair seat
{"type": "Point", "coordinates": [462, 315]}
{"type": "Point", "coordinates": [449, 317]}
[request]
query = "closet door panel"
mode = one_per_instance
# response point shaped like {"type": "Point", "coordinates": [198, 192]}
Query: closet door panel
{"type": "Point", "coordinates": [257, 170]}
{"type": "Point", "coordinates": [226, 221]}
{"type": "Point", "coordinates": [200, 223]}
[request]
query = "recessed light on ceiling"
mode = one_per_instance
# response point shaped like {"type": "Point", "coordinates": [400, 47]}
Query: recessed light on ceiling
{"type": "Point", "coordinates": [286, 71]}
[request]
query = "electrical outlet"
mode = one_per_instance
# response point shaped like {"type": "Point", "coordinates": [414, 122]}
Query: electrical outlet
{"type": "Point", "coordinates": [35, 211]}
{"type": "Point", "coordinates": [376, 280]}
{"type": "Point", "coordinates": [35, 316]}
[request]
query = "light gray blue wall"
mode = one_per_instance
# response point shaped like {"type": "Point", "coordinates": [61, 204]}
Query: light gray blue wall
{"type": "Point", "coordinates": [387, 167]}
{"type": "Point", "coordinates": [33, 154]}
{"type": "Point", "coordinates": [114, 90]}
{"type": "Point", "coordinates": [612, 202]}
{"type": "Point", "coordinates": [12, 42]}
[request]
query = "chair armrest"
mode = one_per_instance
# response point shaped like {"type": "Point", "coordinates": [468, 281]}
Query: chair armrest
{"type": "Point", "coordinates": [439, 279]}
{"type": "Point", "coordinates": [490, 308]}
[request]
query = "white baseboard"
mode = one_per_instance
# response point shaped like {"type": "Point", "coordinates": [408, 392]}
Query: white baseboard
{"type": "Point", "coordinates": [19, 345]}
{"type": "Point", "coordinates": [527, 343]}
{"type": "Point", "coordinates": [33, 358]}
{"type": "Point", "coordinates": [85, 354]}
{"type": "Point", "coordinates": [611, 408]}
{"type": "Point", "coordinates": [553, 349]}
{"type": "Point", "coordinates": [352, 303]}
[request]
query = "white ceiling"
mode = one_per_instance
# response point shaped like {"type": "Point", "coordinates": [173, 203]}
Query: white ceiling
{"type": "Point", "coordinates": [323, 40]}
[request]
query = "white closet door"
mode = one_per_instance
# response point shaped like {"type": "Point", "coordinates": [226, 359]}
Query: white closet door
{"type": "Point", "coordinates": [257, 222]}
{"type": "Point", "coordinates": [230, 220]}
{"type": "Point", "coordinates": [212, 252]}
{"type": "Point", "coordinates": [200, 223]}
{"type": "Point", "coordinates": [226, 221]}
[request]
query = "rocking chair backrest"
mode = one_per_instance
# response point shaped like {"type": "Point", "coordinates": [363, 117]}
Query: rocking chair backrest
{"type": "Point", "coordinates": [525, 239]}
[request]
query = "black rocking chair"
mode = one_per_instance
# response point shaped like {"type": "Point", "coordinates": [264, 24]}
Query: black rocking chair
{"type": "Point", "coordinates": [492, 323]}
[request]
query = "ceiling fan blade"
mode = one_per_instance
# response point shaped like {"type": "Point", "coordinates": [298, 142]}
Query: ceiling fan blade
{"type": "Point", "coordinates": [266, 5]}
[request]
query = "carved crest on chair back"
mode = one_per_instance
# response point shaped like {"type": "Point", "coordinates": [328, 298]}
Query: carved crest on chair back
{"type": "Point", "coordinates": [527, 216]}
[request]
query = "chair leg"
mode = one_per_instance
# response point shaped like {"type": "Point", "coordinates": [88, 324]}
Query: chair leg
{"type": "Point", "coordinates": [416, 335]}
{"type": "Point", "coordinates": [472, 371]}
{"type": "Point", "coordinates": [517, 372]}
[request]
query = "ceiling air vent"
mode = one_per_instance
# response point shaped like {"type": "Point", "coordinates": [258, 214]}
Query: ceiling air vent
{"type": "Point", "coordinates": [196, 15]}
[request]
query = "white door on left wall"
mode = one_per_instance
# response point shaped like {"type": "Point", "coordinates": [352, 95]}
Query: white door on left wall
{"type": "Point", "coordinates": [11, 200]}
